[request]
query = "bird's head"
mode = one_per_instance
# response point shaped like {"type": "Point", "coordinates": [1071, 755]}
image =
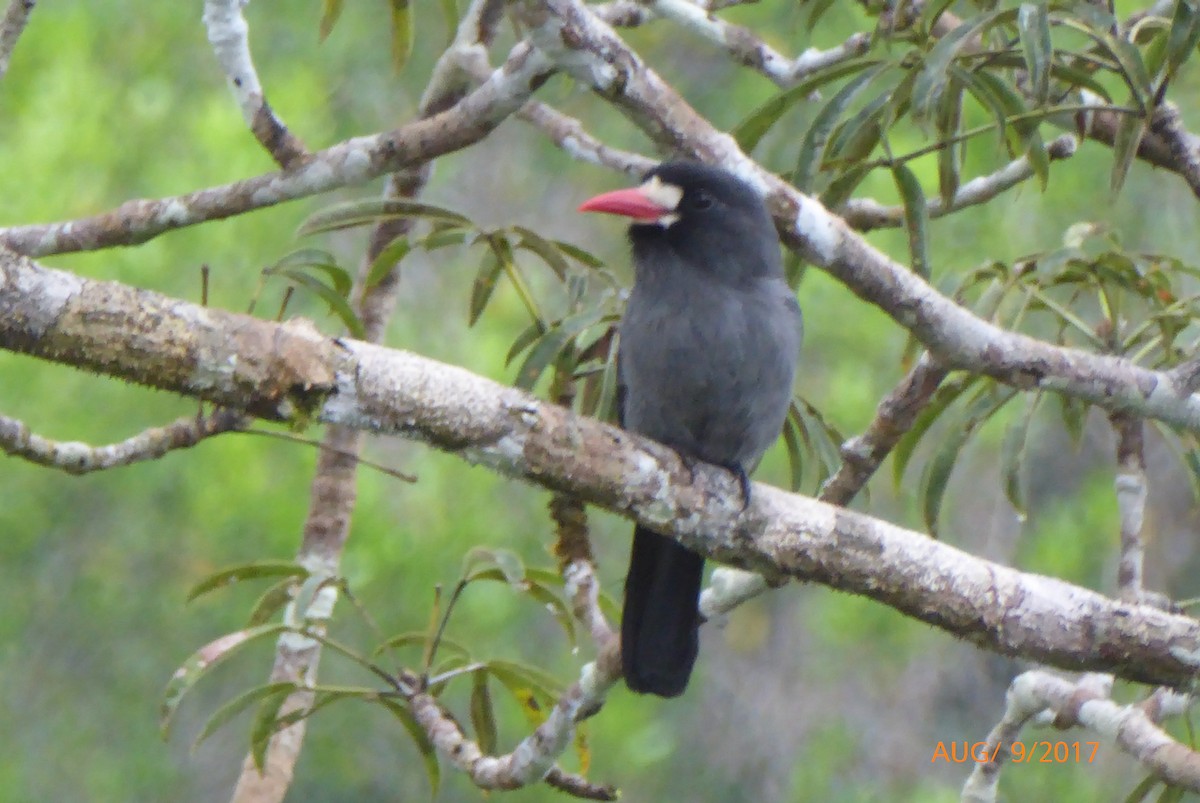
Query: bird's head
{"type": "Point", "coordinates": [705, 214]}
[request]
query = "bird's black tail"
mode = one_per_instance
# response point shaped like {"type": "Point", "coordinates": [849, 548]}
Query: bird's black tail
{"type": "Point", "coordinates": [660, 627]}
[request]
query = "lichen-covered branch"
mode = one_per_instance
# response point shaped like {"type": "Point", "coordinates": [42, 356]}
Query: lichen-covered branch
{"type": "Point", "coordinates": [229, 35]}
{"type": "Point", "coordinates": [351, 162]}
{"type": "Point", "coordinates": [290, 371]}
{"type": "Point", "coordinates": [1085, 704]}
{"type": "Point", "coordinates": [75, 457]}
{"type": "Point", "coordinates": [865, 214]}
{"type": "Point", "coordinates": [532, 760]}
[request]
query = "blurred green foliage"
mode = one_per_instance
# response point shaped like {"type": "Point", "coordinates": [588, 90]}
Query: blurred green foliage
{"type": "Point", "coordinates": [834, 698]}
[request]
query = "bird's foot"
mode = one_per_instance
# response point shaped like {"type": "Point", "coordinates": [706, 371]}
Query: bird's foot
{"type": "Point", "coordinates": [739, 474]}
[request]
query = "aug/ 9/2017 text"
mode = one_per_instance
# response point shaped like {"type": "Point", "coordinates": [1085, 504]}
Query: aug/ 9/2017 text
{"type": "Point", "coordinates": [1042, 752]}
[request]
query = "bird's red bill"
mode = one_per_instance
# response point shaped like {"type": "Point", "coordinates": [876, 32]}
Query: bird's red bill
{"type": "Point", "coordinates": [629, 202]}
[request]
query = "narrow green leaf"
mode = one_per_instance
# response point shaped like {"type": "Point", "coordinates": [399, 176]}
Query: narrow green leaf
{"type": "Point", "coordinates": [480, 559]}
{"type": "Point", "coordinates": [812, 147]}
{"type": "Point", "coordinates": [543, 248]}
{"type": "Point", "coordinates": [795, 452]}
{"type": "Point", "coordinates": [1143, 789]}
{"type": "Point", "coordinates": [949, 156]}
{"type": "Point", "coordinates": [271, 602]}
{"type": "Point", "coordinates": [524, 339]}
{"type": "Point", "coordinates": [199, 664]}
{"type": "Point", "coordinates": [1183, 37]}
{"type": "Point", "coordinates": [402, 33]}
{"type": "Point", "coordinates": [843, 186]}
{"type": "Point", "coordinates": [416, 638]}
{"type": "Point", "coordinates": [942, 398]}
{"type": "Point", "coordinates": [307, 592]}
{"type": "Point", "coordinates": [1033, 23]}
{"type": "Point", "coordinates": [549, 345]}
{"type": "Point", "coordinates": [420, 739]}
{"type": "Point", "coordinates": [932, 79]}
{"type": "Point", "coordinates": [330, 11]}
{"type": "Point", "coordinates": [1012, 456]}
{"type": "Point", "coordinates": [336, 301]}
{"type": "Point", "coordinates": [241, 703]}
{"type": "Point", "coordinates": [264, 726]}
{"type": "Point", "coordinates": [1171, 794]}
{"type": "Point", "coordinates": [389, 257]}
{"type": "Point", "coordinates": [319, 260]}
{"type": "Point", "coordinates": [373, 210]}
{"type": "Point", "coordinates": [483, 714]}
{"type": "Point", "coordinates": [555, 604]}
{"type": "Point", "coordinates": [1099, 25]}
{"type": "Point", "coordinates": [816, 10]}
{"type": "Point", "coordinates": [246, 571]}
{"type": "Point", "coordinates": [1129, 135]}
{"type": "Point", "coordinates": [485, 282]}
{"type": "Point", "coordinates": [916, 218]}
{"type": "Point", "coordinates": [755, 125]}
{"type": "Point", "coordinates": [1074, 415]}
{"type": "Point", "coordinates": [982, 407]}
{"type": "Point", "coordinates": [585, 258]}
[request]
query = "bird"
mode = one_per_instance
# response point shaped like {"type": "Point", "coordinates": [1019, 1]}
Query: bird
{"type": "Point", "coordinates": [708, 347]}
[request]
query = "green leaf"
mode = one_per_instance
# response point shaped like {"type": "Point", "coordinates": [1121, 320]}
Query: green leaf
{"type": "Point", "coordinates": [1184, 36]}
{"type": "Point", "coordinates": [549, 345]}
{"type": "Point", "coordinates": [943, 397]}
{"type": "Point", "coordinates": [1098, 25]}
{"type": "Point", "coordinates": [816, 10]}
{"type": "Point", "coordinates": [201, 662]}
{"type": "Point", "coordinates": [812, 147]}
{"type": "Point", "coordinates": [1143, 789]}
{"type": "Point", "coordinates": [389, 257]}
{"type": "Point", "coordinates": [949, 155]}
{"type": "Point", "coordinates": [246, 571]}
{"type": "Point", "coordinates": [533, 689]}
{"type": "Point", "coordinates": [549, 253]}
{"type": "Point", "coordinates": [1033, 23]}
{"type": "Point", "coordinates": [264, 725]}
{"type": "Point", "coordinates": [795, 452]}
{"type": "Point", "coordinates": [1012, 456]}
{"type": "Point", "coordinates": [320, 260]}
{"type": "Point", "coordinates": [916, 217]}
{"type": "Point", "coordinates": [480, 559]}
{"type": "Point", "coordinates": [402, 33]}
{"type": "Point", "coordinates": [374, 210]}
{"type": "Point", "coordinates": [755, 125]}
{"type": "Point", "coordinates": [336, 301]}
{"type": "Point", "coordinates": [844, 185]}
{"type": "Point", "coordinates": [1074, 415]}
{"type": "Point", "coordinates": [1129, 135]}
{"type": "Point", "coordinates": [983, 406]}
{"type": "Point", "coordinates": [420, 739]}
{"type": "Point", "coordinates": [932, 79]}
{"type": "Point", "coordinates": [485, 283]}
{"type": "Point", "coordinates": [271, 602]}
{"type": "Point", "coordinates": [585, 258]}
{"type": "Point", "coordinates": [417, 638]}
{"type": "Point", "coordinates": [240, 703]}
{"type": "Point", "coordinates": [483, 715]}
{"type": "Point", "coordinates": [331, 10]}
{"type": "Point", "coordinates": [555, 604]}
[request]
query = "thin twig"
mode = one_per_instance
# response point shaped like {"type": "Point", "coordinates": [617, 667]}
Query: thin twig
{"type": "Point", "coordinates": [75, 457]}
{"type": "Point", "coordinates": [229, 35]}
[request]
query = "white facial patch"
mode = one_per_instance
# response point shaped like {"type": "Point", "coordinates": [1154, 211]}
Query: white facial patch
{"type": "Point", "coordinates": [665, 195]}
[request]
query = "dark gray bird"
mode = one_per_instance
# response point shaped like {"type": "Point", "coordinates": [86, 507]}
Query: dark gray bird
{"type": "Point", "coordinates": [708, 352]}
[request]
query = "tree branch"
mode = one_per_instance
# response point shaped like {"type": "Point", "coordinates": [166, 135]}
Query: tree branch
{"type": "Point", "coordinates": [229, 35]}
{"type": "Point", "coordinates": [290, 371]}
{"type": "Point", "coordinates": [75, 457]}
{"type": "Point", "coordinates": [351, 162]}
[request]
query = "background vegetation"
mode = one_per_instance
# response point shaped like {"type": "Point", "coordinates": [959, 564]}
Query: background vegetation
{"type": "Point", "coordinates": [805, 694]}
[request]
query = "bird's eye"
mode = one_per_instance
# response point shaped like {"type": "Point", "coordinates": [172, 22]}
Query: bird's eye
{"type": "Point", "coordinates": [701, 200]}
